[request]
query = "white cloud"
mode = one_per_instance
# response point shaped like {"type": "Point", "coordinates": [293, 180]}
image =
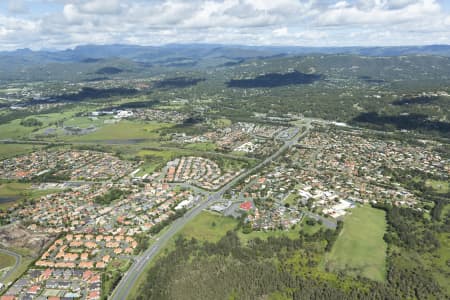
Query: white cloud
{"type": "Point", "coordinates": [281, 32]}
{"type": "Point", "coordinates": [101, 7]}
{"type": "Point", "coordinates": [72, 14]}
{"type": "Point", "coordinates": [17, 7]}
{"type": "Point", "coordinates": [377, 13]}
{"type": "Point", "coordinates": [289, 22]}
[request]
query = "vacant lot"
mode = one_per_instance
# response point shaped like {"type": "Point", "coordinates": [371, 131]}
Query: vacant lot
{"type": "Point", "coordinates": [360, 248]}
{"type": "Point", "coordinates": [208, 227]}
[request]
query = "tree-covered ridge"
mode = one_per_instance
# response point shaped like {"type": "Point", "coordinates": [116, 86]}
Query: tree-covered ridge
{"type": "Point", "coordinates": [178, 82]}
{"type": "Point", "coordinates": [417, 122]}
{"type": "Point", "coordinates": [275, 80]}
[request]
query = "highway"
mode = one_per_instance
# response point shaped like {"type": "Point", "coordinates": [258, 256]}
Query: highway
{"type": "Point", "coordinates": [122, 290]}
{"type": "Point", "coordinates": [13, 268]}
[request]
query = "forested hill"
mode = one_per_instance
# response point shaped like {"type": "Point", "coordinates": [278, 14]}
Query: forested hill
{"type": "Point", "coordinates": [94, 60]}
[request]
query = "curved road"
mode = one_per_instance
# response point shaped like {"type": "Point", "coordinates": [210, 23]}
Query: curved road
{"type": "Point", "coordinates": [16, 265]}
{"type": "Point", "coordinates": [122, 290]}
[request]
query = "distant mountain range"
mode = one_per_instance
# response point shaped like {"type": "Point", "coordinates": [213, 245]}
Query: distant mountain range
{"type": "Point", "coordinates": [92, 53]}
{"type": "Point", "coordinates": [98, 62]}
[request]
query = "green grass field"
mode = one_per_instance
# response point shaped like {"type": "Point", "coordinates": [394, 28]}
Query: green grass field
{"type": "Point", "coordinates": [10, 150]}
{"type": "Point", "coordinates": [291, 199]}
{"type": "Point", "coordinates": [26, 261]}
{"type": "Point", "coordinates": [440, 186]}
{"type": "Point", "coordinates": [310, 229]}
{"type": "Point", "coordinates": [13, 130]}
{"type": "Point", "coordinates": [222, 122]}
{"type": "Point", "coordinates": [13, 189]}
{"type": "Point", "coordinates": [208, 226]}
{"type": "Point", "coordinates": [360, 248]}
{"type": "Point", "coordinates": [123, 130]}
{"type": "Point", "coordinates": [201, 146]}
{"type": "Point", "coordinates": [19, 191]}
{"type": "Point", "coordinates": [157, 159]}
{"type": "Point", "coordinates": [6, 260]}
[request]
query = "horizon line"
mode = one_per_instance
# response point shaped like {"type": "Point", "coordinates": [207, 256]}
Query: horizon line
{"type": "Point", "coordinates": [220, 45]}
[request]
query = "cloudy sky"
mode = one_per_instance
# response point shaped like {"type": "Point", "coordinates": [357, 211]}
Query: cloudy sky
{"type": "Point", "coordinates": [60, 24]}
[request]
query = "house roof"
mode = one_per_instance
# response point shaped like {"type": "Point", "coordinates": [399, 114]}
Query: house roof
{"type": "Point", "coordinates": [246, 205]}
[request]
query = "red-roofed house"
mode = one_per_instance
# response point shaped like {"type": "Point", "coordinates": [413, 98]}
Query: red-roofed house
{"type": "Point", "coordinates": [34, 289]}
{"type": "Point", "coordinates": [246, 206]}
{"type": "Point", "coordinates": [93, 295]}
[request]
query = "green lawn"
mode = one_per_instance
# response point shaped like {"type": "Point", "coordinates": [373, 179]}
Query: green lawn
{"type": "Point", "coordinates": [6, 260]}
{"type": "Point", "coordinates": [360, 248]}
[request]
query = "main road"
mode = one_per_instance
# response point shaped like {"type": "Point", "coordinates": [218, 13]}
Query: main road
{"type": "Point", "coordinates": [129, 279]}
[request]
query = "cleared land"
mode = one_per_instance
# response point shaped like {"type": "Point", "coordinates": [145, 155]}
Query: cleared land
{"type": "Point", "coordinates": [360, 248]}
